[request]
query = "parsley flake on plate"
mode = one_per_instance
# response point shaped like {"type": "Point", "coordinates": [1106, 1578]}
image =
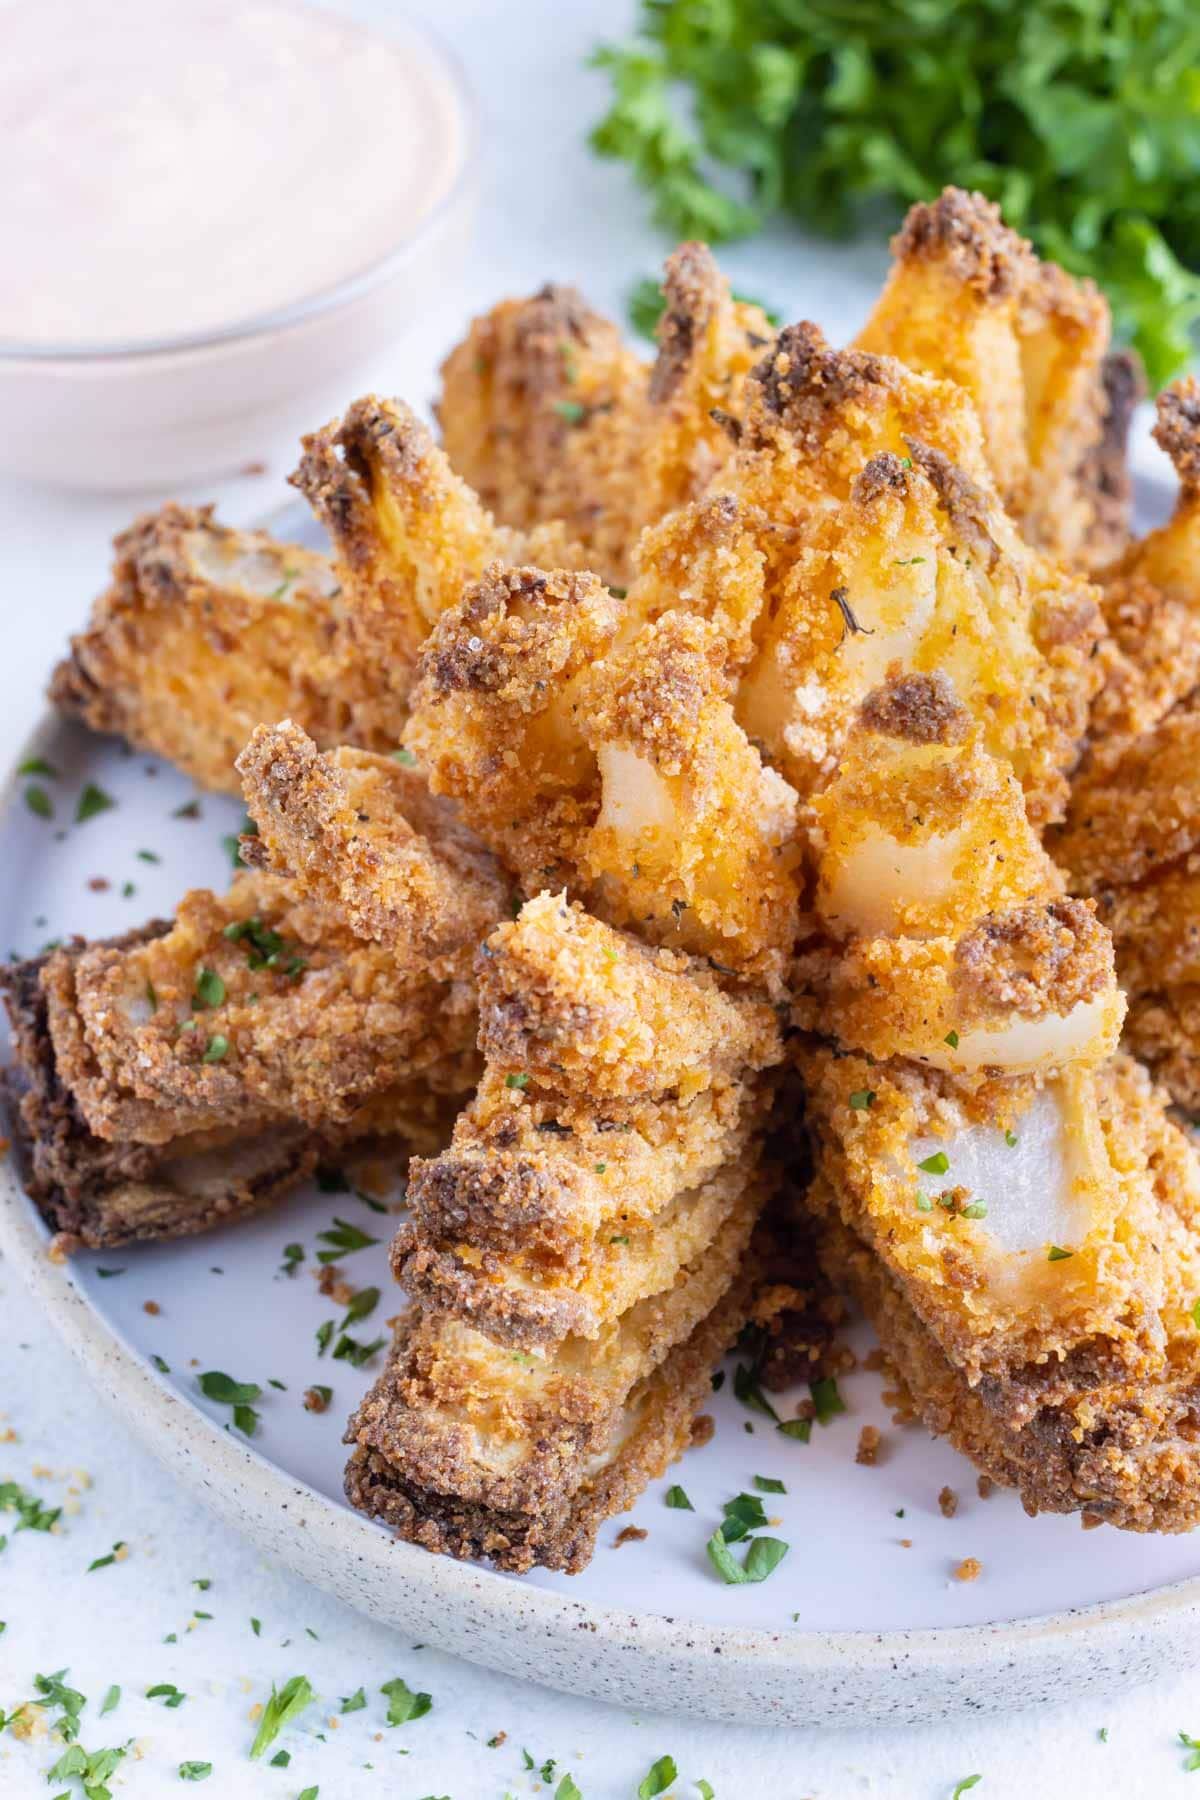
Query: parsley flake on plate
{"type": "Point", "coordinates": [403, 1704]}
{"type": "Point", "coordinates": [92, 800]}
{"type": "Point", "coordinates": [285, 1704]}
{"type": "Point", "coordinates": [658, 1778]}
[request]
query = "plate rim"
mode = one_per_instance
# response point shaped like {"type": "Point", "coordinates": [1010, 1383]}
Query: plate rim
{"type": "Point", "coordinates": [813, 1676]}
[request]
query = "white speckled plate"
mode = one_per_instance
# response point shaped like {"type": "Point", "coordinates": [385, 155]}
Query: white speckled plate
{"type": "Point", "coordinates": [863, 1619]}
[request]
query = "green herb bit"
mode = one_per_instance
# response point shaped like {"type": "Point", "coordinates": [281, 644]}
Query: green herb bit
{"type": "Point", "coordinates": [965, 1786]}
{"type": "Point", "coordinates": [210, 989]}
{"type": "Point", "coordinates": [92, 1768]}
{"type": "Point", "coordinates": [110, 1274]}
{"type": "Point", "coordinates": [951, 1038]}
{"type": "Point", "coordinates": [342, 1239]}
{"type": "Point", "coordinates": [516, 1081]}
{"type": "Point", "coordinates": [826, 1398]}
{"type": "Point", "coordinates": [705, 1790]}
{"type": "Point", "coordinates": [767, 1484]}
{"type": "Point", "coordinates": [283, 1706]}
{"type": "Point", "coordinates": [363, 1304]}
{"type": "Point", "coordinates": [293, 1256]}
{"type": "Point", "coordinates": [743, 1514]}
{"type": "Point", "coordinates": [195, 1771]}
{"type": "Point", "coordinates": [168, 1693]}
{"type": "Point", "coordinates": [566, 1790]}
{"type": "Point", "coordinates": [280, 1760]}
{"type": "Point", "coordinates": [31, 1514]}
{"type": "Point", "coordinates": [149, 856]}
{"type": "Point", "coordinates": [348, 1349]}
{"type": "Point", "coordinates": [924, 1203]}
{"type": "Point", "coordinates": [677, 1499]}
{"type": "Point", "coordinates": [1010, 1138]}
{"type": "Point", "coordinates": [323, 1334]}
{"type": "Point", "coordinates": [92, 800]}
{"type": "Point", "coordinates": [403, 1704]}
{"type": "Point", "coordinates": [111, 1700]}
{"type": "Point", "coordinates": [308, 1793]}
{"type": "Point", "coordinates": [38, 801]}
{"type": "Point", "coordinates": [573, 411]}
{"type": "Point", "coordinates": [937, 1164]}
{"type": "Point", "coordinates": [355, 1702]}
{"type": "Point", "coordinates": [659, 1778]}
{"type": "Point", "coordinates": [863, 1100]}
{"type": "Point", "coordinates": [976, 1210]}
{"type": "Point", "coordinates": [217, 1049]}
{"type": "Point", "coordinates": [37, 765]}
{"type": "Point", "coordinates": [763, 1556]}
{"type": "Point", "coordinates": [749, 1391]}
{"type": "Point", "coordinates": [164, 1368]}
{"type": "Point", "coordinates": [102, 1562]}
{"type": "Point", "coordinates": [1056, 1254]}
{"type": "Point", "coordinates": [799, 1429]}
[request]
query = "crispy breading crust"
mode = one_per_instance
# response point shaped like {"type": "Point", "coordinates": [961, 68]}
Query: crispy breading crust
{"type": "Point", "coordinates": [363, 836]}
{"type": "Point", "coordinates": [1127, 1453]}
{"type": "Point", "coordinates": [550, 418]}
{"type": "Point", "coordinates": [307, 1038]}
{"type": "Point", "coordinates": [577, 1005]}
{"type": "Point", "coordinates": [407, 536]}
{"type": "Point", "coordinates": [419, 1477]}
{"type": "Point", "coordinates": [1070, 1324]}
{"type": "Point", "coordinates": [204, 633]}
{"type": "Point", "coordinates": [968, 301]}
{"type": "Point", "coordinates": [619, 1118]}
{"type": "Point", "coordinates": [98, 1194]}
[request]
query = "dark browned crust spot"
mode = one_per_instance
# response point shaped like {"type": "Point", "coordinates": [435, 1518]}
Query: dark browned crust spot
{"type": "Point", "coordinates": [967, 231]}
{"type": "Point", "coordinates": [964, 503]}
{"type": "Point", "coordinates": [1178, 429]}
{"type": "Point", "coordinates": [886, 473]}
{"type": "Point", "coordinates": [1033, 960]}
{"type": "Point", "coordinates": [694, 290]}
{"type": "Point", "coordinates": [337, 472]}
{"type": "Point", "coordinates": [922, 709]}
{"type": "Point", "coordinates": [801, 378]}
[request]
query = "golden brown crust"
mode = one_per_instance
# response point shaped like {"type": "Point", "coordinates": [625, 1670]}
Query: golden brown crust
{"type": "Point", "coordinates": [559, 1530]}
{"type": "Point", "coordinates": [968, 301]}
{"type": "Point", "coordinates": [204, 633]}
{"type": "Point", "coordinates": [551, 419]}
{"type": "Point", "coordinates": [362, 835]}
{"type": "Point", "coordinates": [253, 1008]}
{"type": "Point", "coordinates": [100, 1194]}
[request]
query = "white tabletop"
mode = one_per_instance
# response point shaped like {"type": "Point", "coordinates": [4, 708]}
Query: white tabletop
{"type": "Point", "coordinates": [548, 209]}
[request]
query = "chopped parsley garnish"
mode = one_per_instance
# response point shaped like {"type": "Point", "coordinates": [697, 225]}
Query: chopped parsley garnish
{"type": "Point", "coordinates": [658, 1780]}
{"type": "Point", "coordinates": [267, 948]}
{"type": "Point", "coordinates": [937, 1164]}
{"type": "Point", "coordinates": [38, 801]}
{"type": "Point", "coordinates": [348, 1349]}
{"type": "Point", "coordinates": [37, 765]}
{"type": "Point", "coordinates": [951, 1038]}
{"type": "Point", "coordinates": [863, 1100]}
{"type": "Point", "coordinates": [706, 1790]}
{"type": "Point", "coordinates": [31, 1514]}
{"type": "Point", "coordinates": [168, 1693]}
{"type": "Point", "coordinates": [767, 1484]}
{"type": "Point", "coordinates": [323, 1334]}
{"type": "Point", "coordinates": [218, 1047]}
{"type": "Point", "coordinates": [189, 810]}
{"type": "Point", "coordinates": [826, 1398]}
{"type": "Point", "coordinates": [354, 1702]}
{"type": "Point", "coordinates": [289, 576]}
{"type": "Point", "coordinates": [92, 800]}
{"type": "Point", "coordinates": [210, 989]}
{"type": "Point", "coordinates": [749, 1392]}
{"type": "Point", "coordinates": [195, 1771]}
{"type": "Point", "coordinates": [976, 1210]}
{"type": "Point", "coordinates": [52, 1691]}
{"type": "Point", "coordinates": [676, 1498]}
{"type": "Point", "coordinates": [342, 1239]}
{"type": "Point", "coordinates": [363, 1304]}
{"type": "Point", "coordinates": [111, 1700]}
{"type": "Point", "coordinates": [405, 757]}
{"type": "Point", "coordinates": [92, 1768]}
{"type": "Point", "coordinates": [571, 410]}
{"type": "Point", "coordinates": [1010, 1138]}
{"type": "Point", "coordinates": [110, 1274]}
{"type": "Point", "coordinates": [293, 1256]}
{"type": "Point", "coordinates": [102, 1562]}
{"type": "Point", "coordinates": [240, 1395]}
{"type": "Point", "coordinates": [965, 1786]}
{"type": "Point", "coordinates": [284, 1705]}
{"type": "Point", "coordinates": [566, 1790]}
{"type": "Point", "coordinates": [164, 1368]}
{"type": "Point", "coordinates": [516, 1081]}
{"type": "Point", "coordinates": [281, 1759]}
{"type": "Point", "coordinates": [256, 1627]}
{"type": "Point", "coordinates": [149, 856]}
{"type": "Point", "coordinates": [403, 1704]}
{"type": "Point", "coordinates": [762, 1557]}
{"type": "Point", "coordinates": [924, 1203]}
{"type": "Point", "coordinates": [743, 1514]}
{"type": "Point", "coordinates": [800, 1429]}
{"type": "Point", "coordinates": [1058, 1255]}
{"type": "Point", "coordinates": [308, 1793]}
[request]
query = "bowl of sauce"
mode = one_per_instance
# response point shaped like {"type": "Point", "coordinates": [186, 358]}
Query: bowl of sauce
{"type": "Point", "coordinates": [214, 212]}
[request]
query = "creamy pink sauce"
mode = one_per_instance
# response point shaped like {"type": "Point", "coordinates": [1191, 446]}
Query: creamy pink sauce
{"type": "Point", "coordinates": [174, 166]}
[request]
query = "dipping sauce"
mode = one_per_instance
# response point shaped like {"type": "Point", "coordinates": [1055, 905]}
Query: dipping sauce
{"type": "Point", "coordinates": [175, 167]}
